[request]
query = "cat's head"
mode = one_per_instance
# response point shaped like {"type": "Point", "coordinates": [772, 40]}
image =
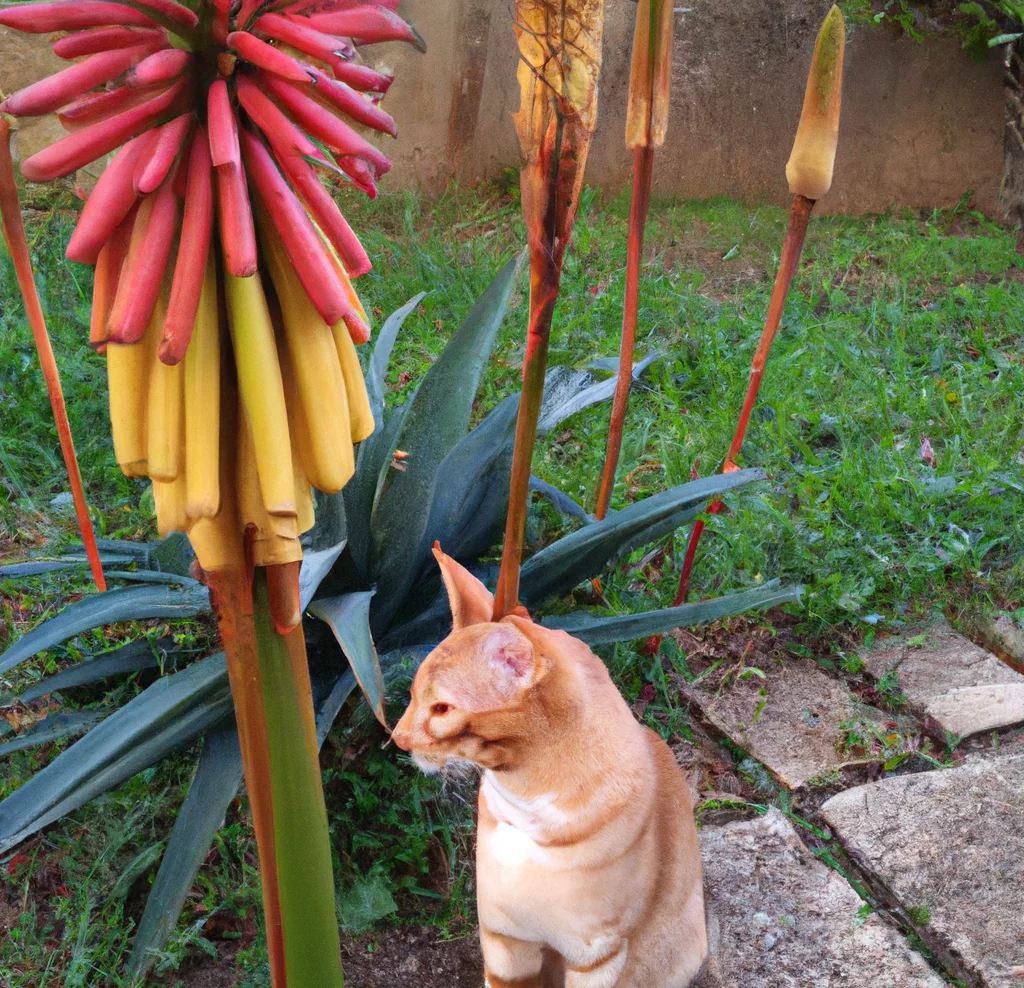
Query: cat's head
{"type": "Point", "coordinates": [474, 697]}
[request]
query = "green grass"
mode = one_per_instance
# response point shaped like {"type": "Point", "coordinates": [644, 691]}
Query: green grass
{"type": "Point", "coordinates": [898, 327]}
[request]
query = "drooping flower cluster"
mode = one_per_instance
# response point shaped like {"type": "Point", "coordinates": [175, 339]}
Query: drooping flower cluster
{"type": "Point", "coordinates": [214, 236]}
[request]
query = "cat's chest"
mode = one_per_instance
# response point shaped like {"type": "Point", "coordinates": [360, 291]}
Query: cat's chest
{"type": "Point", "coordinates": [537, 818]}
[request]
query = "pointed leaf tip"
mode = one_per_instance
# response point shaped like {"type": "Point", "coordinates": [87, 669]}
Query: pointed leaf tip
{"type": "Point", "coordinates": [810, 166]}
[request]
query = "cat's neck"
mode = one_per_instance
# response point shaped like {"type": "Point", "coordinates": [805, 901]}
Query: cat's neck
{"type": "Point", "coordinates": [591, 763]}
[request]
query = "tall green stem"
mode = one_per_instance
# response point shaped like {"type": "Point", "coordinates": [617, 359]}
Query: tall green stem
{"type": "Point", "coordinates": [276, 727]}
{"type": "Point", "coordinates": [545, 278]}
{"type": "Point", "coordinates": [543, 296]}
{"type": "Point", "coordinates": [305, 876]}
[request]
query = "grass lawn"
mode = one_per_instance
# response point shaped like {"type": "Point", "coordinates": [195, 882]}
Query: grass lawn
{"type": "Point", "coordinates": [890, 424]}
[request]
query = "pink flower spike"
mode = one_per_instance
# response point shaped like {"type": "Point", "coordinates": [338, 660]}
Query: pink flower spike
{"type": "Point", "coordinates": [309, 256]}
{"type": "Point", "coordinates": [266, 56]}
{"type": "Point", "coordinates": [220, 119]}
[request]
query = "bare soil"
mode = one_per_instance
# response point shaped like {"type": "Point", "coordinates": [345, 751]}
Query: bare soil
{"type": "Point", "coordinates": [393, 957]}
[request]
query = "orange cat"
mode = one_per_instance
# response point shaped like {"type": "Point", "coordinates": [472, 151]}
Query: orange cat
{"type": "Point", "coordinates": [588, 871]}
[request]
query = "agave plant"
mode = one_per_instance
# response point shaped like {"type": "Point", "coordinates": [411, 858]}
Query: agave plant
{"type": "Point", "coordinates": [367, 587]}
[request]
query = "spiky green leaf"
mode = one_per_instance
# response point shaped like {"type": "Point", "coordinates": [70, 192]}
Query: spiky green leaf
{"type": "Point", "coordinates": [38, 567]}
{"type": "Point", "coordinates": [133, 657]}
{"type": "Point", "coordinates": [567, 392]}
{"type": "Point", "coordinates": [53, 729]}
{"type": "Point", "coordinates": [215, 784]}
{"type": "Point", "coordinates": [435, 421]}
{"type": "Point", "coordinates": [136, 603]}
{"type": "Point", "coordinates": [596, 629]}
{"type": "Point", "coordinates": [348, 616]}
{"type": "Point", "coordinates": [169, 714]}
{"type": "Point", "coordinates": [470, 494]}
{"type": "Point", "coordinates": [316, 566]}
{"type": "Point", "coordinates": [581, 555]}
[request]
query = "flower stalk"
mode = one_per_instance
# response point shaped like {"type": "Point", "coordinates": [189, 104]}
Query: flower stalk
{"type": "Point", "coordinates": [809, 172]}
{"type": "Point", "coordinates": [273, 701]}
{"type": "Point", "coordinates": [17, 244]}
{"type": "Point", "coordinates": [560, 60]}
{"type": "Point", "coordinates": [646, 125]}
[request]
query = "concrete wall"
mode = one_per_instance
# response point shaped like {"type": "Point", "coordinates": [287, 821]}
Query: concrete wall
{"type": "Point", "coordinates": [921, 122]}
{"type": "Point", "coordinates": [24, 58]}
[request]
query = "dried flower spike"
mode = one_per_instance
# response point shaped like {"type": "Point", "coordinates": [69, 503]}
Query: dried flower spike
{"type": "Point", "coordinates": [559, 65]}
{"type": "Point", "coordinates": [809, 170]}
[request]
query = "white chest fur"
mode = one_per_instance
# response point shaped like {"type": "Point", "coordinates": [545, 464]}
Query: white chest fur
{"type": "Point", "coordinates": [536, 817]}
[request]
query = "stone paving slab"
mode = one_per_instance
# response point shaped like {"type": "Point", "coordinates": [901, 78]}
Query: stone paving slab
{"type": "Point", "coordinates": [977, 709]}
{"type": "Point", "coordinates": [789, 720]}
{"type": "Point", "coordinates": [782, 919]}
{"type": "Point", "coordinates": [1003, 635]}
{"type": "Point", "coordinates": [949, 844]}
{"type": "Point", "coordinates": [960, 686]}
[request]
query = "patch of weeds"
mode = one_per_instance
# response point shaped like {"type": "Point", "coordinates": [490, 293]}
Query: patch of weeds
{"type": "Point", "coordinates": [851, 664]}
{"type": "Point", "coordinates": [401, 835]}
{"type": "Point", "coordinates": [648, 686]}
{"type": "Point", "coordinates": [919, 915]}
{"type": "Point", "coordinates": [364, 902]}
{"type": "Point", "coordinates": [891, 695]}
{"type": "Point", "coordinates": [757, 776]}
{"type": "Point", "coordinates": [867, 740]}
{"type": "Point", "coordinates": [676, 658]}
{"type": "Point", "coordinates": [72, 892]}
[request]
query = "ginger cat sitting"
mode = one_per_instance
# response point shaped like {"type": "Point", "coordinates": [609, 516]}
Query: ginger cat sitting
{"type": "Point", "coordinates": [588, 871]}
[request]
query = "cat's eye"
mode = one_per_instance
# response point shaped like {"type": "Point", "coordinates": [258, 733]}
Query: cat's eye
{"type": "Point", "coordinates": [439, 709]}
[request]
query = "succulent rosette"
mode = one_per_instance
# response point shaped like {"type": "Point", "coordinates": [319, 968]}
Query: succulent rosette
{"type": "Point", "coordinates": [223, 293]}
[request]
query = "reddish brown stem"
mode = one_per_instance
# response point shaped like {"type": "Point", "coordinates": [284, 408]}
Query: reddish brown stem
{"type": "Point", "coordinates": [799, 216]}
{"type": "Point", "coordinates": [17, 244]}
{"type": "Point", "coordinates": [544, 278]}
{"type": "Point", "coordinates": [542, 175]}
{"type": "Point", "coordinates": [643, 165]}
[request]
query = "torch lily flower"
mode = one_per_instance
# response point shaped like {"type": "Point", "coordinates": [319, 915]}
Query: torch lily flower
{"type": "Point", "coordinates": [224, 304]}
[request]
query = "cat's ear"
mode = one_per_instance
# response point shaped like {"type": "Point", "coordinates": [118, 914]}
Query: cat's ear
{"type": "Point", "coordinates": [471, 602]}
{"type": "Point", "coordinates": [511, 658]}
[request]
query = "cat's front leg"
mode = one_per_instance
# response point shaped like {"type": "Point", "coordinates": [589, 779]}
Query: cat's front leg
{"type": "Point", "coordinates": [511, 963]}
{"type": "Point", "coordinates": [602, 971]}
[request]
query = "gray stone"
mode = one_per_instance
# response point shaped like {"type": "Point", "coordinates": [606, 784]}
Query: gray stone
{"type": "Point", "coordinates": [64, 501]}
{"type": "Point", "coordinates": [936, 670]}
{"type": "Point", "coordinates": [976, 709]}
{"type": "Point", "coordinates": [949, 844]}
{"type": "Point", "coordinates": [1003, 635]}
{"type": "Point", "coordinates": [790, 720]}
{"type": "Point", "coordinates": [782, 919]}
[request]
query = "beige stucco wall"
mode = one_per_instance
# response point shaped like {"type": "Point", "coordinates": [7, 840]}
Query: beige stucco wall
{"type": "Point", "coordinates": [921, 122]}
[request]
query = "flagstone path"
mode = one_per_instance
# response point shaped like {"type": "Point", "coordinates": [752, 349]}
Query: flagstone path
{"type": "Point", "coordinates": [912, 880]}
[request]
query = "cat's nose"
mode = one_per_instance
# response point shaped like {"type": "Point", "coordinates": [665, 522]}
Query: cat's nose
{"type": "Point", "coordinates": [401, 736]}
